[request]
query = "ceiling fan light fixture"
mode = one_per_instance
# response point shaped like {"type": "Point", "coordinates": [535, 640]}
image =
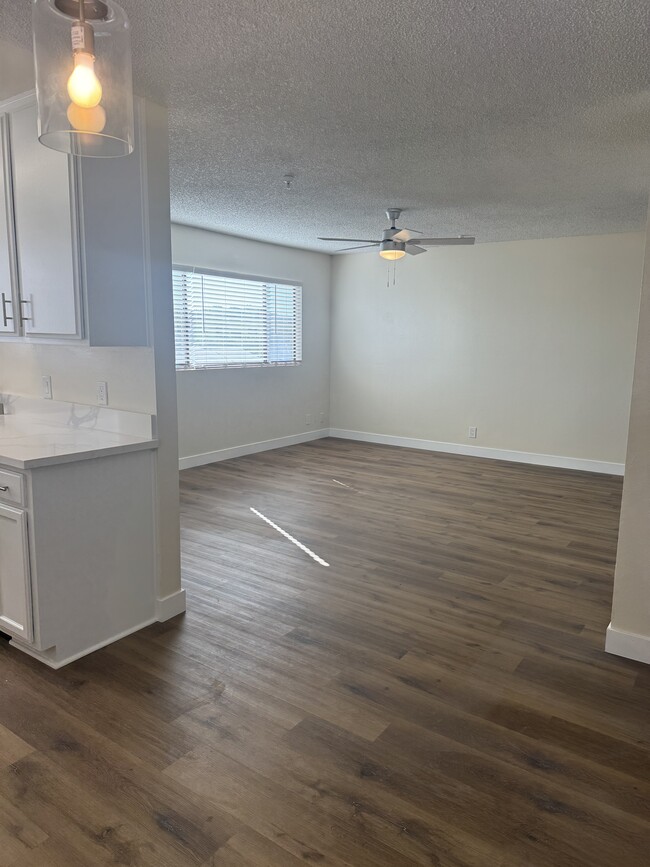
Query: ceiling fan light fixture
{"type": "Point", "coordinates": [82, 56]}
{"type": "Point", "coordinates": [392, 250]}
{"type": "Point", "coordinates": [396, 243]}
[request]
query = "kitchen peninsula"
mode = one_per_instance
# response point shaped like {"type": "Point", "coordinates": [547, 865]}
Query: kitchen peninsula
{"type": "Point", "coordinates": [77, 526]}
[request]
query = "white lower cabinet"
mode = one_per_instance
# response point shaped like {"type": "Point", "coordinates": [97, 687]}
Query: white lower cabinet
{"type": "Point", "coordinates": [15, 582]}
{"type": "Point", "coordinates": [77, 554]}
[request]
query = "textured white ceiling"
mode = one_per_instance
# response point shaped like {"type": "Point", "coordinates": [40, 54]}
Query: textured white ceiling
{"type": "Point", "coordinates": [501, 118]}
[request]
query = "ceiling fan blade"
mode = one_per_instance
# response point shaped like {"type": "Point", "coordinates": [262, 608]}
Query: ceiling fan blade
{"type": "Point", "coordinates": [354, 240]}
{"type": "Point", "coordinates": [414, 250]}
{"type": "Point", "coordinates": [400, 235]}
{"type": "Point", "coordinates": [362, 247]}
{"type": "Point", "coordinates": [446, 242]}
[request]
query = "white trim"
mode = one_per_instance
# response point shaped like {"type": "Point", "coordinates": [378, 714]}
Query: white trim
{"type": "Point", "coordinates": [20, 100]}
{"type": "Point", "coordinates": [250, 449]}
{"type": "Point", "coordinates": [235, 275]}
{"type": "Point", "coordinates": [628, 644]}
{"type": "Point", "coordinates": [584, 464]}
{"type": "Point", "coordinates": [42, 656]}
{"type": "Point", "coordinates": [169, 606]}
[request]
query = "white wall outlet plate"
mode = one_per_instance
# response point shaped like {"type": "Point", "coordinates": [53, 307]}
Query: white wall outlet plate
{"type": "Point", "coordinates": [102, 394]}
{"type": "Point", "coordinates": [308, 419]}
{"type": "Point", "coordinates": [46, 383]}
{"type": "Point", "coordinates": [471, 433]}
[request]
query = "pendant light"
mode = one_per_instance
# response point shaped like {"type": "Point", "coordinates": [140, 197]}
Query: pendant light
{"type": "Point", "coordinates": [82, 55]}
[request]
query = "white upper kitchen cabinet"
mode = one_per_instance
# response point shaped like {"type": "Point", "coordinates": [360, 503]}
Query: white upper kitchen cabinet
{"type": "Point", "coordinates": [8, 295]}
{"type": "Point", "coordinates": [42, 187]}
{"type": "Point", "coordinates": [74, 237]}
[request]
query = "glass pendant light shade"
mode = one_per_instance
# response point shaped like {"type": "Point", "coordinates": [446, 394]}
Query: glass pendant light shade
{"type": "Point", "coordinates": [82, 55]}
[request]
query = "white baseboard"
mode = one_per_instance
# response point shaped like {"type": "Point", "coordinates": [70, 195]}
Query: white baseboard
{"type": "Point", "coordinates": [483, 452]}
{"type": "Point", "coordinates": [560, 461]}
{"type": "Point", "coordinates": [627, 644]}
{"type": "Point", "coordinates": [250, 449]}
{"type": "Point", "coordinates": [170, 606]}
{"type": "Point", "coordinates": [46, 657]}
{"type": "Point", "coordinates": [167, 607]}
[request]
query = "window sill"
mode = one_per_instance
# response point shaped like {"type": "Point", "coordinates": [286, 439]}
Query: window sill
{"type": "Point", "coordinates": [279, 364]}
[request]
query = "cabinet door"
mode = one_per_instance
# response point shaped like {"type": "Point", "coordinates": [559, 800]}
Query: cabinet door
{"type": "Point", "coordinates": [45, 238]}
{"type": "Point", "coordinates": [15, 589]}
{"type": "Point", "coordinates": [8, 301]}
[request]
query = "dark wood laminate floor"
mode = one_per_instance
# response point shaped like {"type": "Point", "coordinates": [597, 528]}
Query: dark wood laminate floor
{"type": "Point", "coordinates": [438, 695]}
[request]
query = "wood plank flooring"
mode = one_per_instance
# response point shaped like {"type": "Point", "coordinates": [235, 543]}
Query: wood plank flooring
{"type": "Point", "coordinates": [437, 695]}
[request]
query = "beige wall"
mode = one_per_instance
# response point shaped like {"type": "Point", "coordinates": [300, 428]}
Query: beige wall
{"type": "Point", "coordinates": [530, 341]}
{"type": "Point", "coordinates": [221, 409]}
{"type": "Point", "coordinates": [631, 604]}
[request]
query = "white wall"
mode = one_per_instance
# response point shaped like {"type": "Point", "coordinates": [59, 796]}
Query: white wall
{"type": "Point", "coordinates": [76, 370]}
{"type": "Point", "coordinates": [171, 598]}
{"type": "Point", "coordinates": [629, 631]}
{"type": "Point", "coordinates": [530, 341]}
{"type": "Point", "coordinates": [222, 409]}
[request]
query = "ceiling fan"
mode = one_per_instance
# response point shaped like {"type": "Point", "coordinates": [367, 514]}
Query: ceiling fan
{"type": "Point", "coordinates": [396, 243]}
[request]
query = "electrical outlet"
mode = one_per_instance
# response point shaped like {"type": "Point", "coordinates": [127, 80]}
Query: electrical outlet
{"type": "Point", "coordinates": [471, 433]}
{"type": "Point", "coordinates": [102, 394]}
{"type": "Point", "coordinates": [322, 419]}
{"type": "Point", "coordinates": [308, 419]}
{"type": "Point", "coordinates": [46, 382]}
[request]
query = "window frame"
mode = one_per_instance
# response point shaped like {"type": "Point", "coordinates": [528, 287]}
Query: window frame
{"type": "Point", "coordinates": [235, 275]}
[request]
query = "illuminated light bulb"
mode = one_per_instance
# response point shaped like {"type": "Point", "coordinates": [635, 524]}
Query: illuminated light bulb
{"type": "Point", "coordinates": [84, 88]}
{"type": "Point", "coordinates": [392, 254]}
{"type": "Point", "coordinates": [86, 119]}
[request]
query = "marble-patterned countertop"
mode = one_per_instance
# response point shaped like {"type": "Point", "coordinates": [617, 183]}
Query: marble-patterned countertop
{"type": "Point", "coordinates": [36, 433]}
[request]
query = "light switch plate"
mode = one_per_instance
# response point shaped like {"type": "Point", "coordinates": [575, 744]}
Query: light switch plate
{"type": "Point", "coordinates": [46, 382]}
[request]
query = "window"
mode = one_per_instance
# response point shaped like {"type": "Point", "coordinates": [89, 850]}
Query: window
{"type": "Point", "coordinates": [226, 321]}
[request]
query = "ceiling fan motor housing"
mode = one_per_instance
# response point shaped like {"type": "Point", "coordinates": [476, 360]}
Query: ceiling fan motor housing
{"type": "Point", "coordinates": [388, 244]}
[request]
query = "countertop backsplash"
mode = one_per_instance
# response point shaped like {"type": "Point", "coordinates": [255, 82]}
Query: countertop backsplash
{"type": "Point", "coordinates": [37, 432]}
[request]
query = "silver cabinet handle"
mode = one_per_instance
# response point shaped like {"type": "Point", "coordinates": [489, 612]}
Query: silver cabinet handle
{"type": "Point", "coordinates": [24, 318]}
{"type": "Point", "coordinates": [4, 487]}
{"type": "Point", "coordinates": [6, 319]}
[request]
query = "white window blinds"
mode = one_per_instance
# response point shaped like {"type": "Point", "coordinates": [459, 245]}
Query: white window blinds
{"type": "Point", "coordinates": [224, 321]}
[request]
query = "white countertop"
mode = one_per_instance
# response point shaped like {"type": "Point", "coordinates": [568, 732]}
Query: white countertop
{"type": "Point", "coordinates": [29, 438]}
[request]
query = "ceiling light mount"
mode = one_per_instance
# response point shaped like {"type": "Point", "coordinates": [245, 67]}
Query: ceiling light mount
{"type": "Point", "coordinates": [91, 10]}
